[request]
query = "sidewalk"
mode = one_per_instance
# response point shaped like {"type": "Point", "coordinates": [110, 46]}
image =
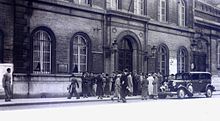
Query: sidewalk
{"type": "Point", "coordinates": [40, 101]}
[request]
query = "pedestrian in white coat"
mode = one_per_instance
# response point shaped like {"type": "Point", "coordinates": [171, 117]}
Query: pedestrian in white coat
{"type": "Point", "coordinates": [150, 79]}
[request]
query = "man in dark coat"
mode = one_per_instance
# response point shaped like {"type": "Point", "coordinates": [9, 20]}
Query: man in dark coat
{"type": "Point", "coordinates": [72, 87]}
{"type": "Point", "coordinates": [85, 84]}
{"type": "Point", "coordinates": [6, 83]}
{"type": "Point", "coordinates": [135, 80]}
{"type": "Point", "coordinates": [99, 88]}
{"type": "Point", "coordinates": [124, 86]}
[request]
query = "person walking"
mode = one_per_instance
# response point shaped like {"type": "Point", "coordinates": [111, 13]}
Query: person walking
{"type": "Point", "coordinates": [117, 88]}
{"type": "Point", "coordinates": [99, 88]}
{"type": "Point", "coordinates": [130, 84]}
{"type": "Point", "coordinates": [150, 79]}
{"type": "Point", "coordinates": [6, 83]}
{"type": "Point", "coordinates": [107, 86]}
{"type": "Point", "coordinates": [72, 87]}
{"type": "Point", "coordinates": [144, 91]}
{"type": "Point", "coordinates": [124, 85]}
{"type": "Point", "coordinates": [135, 79]}
{"type": "Point", "coordinates": [113, 78]}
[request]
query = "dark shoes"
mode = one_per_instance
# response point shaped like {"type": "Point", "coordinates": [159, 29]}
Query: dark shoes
{"type": "Point", "coordinates": [7, 100]}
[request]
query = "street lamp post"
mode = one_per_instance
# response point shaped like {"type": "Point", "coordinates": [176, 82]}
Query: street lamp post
{"type": "Point", "coordinates": [150, 57]}
{"type": "Point", "coordinates": [114, 50]}
{"type": "Point", "coordinates": [193, 49]}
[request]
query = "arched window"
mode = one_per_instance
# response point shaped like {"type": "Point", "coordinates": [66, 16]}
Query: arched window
{"type": "Point", "coordinates": [182, 57]}
{"type": "Point", "coordinates": [163, 60]}
{"type": "Point", "coordinates": [41, 52]}
{"type": "Point", "coordinates": [79, 54]}
{"type": "Point", "coordinates": [1, 46]}
{"type": "Point", "coordinates": [181, 13]}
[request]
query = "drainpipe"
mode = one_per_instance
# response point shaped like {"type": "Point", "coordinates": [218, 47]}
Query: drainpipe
{"type": "Point", "coordinates": [210, 48]}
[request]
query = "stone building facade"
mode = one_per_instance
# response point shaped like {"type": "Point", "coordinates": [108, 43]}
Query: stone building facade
{"type": "Point", "coordinates": [47, 41]}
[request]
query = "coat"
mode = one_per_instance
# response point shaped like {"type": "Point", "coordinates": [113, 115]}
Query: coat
{"type": "Point", "coordinates": [155, 86]}
{"type": "Point", "coordinates": [99, 88]}
{"type": "Point", "coordinates": [150, 86]}
{"type": "Point", "coordinates": [130, 83]}
{"type": "Point", "coordinates": [144, 91]}
{"type": "Point", "coordinates": [74, 84]}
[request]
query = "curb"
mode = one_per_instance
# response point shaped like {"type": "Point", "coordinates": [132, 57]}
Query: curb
{"type": "Point", "coordinates": [58, 102]}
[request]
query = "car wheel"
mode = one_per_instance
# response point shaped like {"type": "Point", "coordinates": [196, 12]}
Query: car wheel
{"type": "Point", "coordinates": [208, 92]}
{"type": "Point", "coordinates": [181, 93]}
{"type": "Point", "coordinates": [190, 89]}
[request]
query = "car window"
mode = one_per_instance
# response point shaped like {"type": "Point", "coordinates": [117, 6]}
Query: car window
{"type": "Point", "coordinates": [205, 76]}
{"type": "Point", "coordinates": [195, 76]}
{"type": "Point", "coordinates": [182, 76]}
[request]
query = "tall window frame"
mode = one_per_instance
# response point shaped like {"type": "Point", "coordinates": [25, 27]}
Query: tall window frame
{"type": "Point", "coordinates": [1, 46]}
{"type": "Point", "coordinates": [42, 52]}
{"type": "Point", "coordinates": [162, 11]}
{"type": "Point", "coordinates": [181, 13]}
{"type": "Point", "coordinates": [163, 59]}
{"type": "Point", "coordinates": [139, 7]}
{"type": "Point", "coordinates": [114, 4]}
{"type": "Point", "coordinates": [83, 2]}
{"type": "Point", "coordinates": [79, 54]}
{"type": "Point", "coordinates": [182, 60]}
{"type": "Point", "coordinates": [218, 55]}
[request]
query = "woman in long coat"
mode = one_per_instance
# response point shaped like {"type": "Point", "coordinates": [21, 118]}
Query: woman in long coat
{"type": "Point", "coordinates": [144, 91]}
{"type": "Point", "coordinates": [117, 88]}
{"type": "Point", "coordinates": [150, 86]}
{"type": "Point", "coordinates": [155, 86]}
{"type": "Point", "coordinates": [99, 88]}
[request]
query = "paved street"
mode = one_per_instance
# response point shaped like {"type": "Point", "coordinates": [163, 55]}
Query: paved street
{"type": "Point", "coordinates": [198, 109]}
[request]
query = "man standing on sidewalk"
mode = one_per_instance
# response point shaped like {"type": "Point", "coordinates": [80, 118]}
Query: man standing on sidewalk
{"type": "Point", "coordinates": [6, 82]}
{"type": "Point", "coordinates": [124, 85]}
{"type": "Point", "coordinates": [72, 87]}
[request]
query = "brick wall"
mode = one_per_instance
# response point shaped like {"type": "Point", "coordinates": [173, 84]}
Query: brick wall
{"type": "Point", "coordinates": [65, 26]}
{"type": "Point", "coordinates": [7, 27]}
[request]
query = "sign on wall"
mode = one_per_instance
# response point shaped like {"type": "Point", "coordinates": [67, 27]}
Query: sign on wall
{"type": "Point", "coordinates": [173, 66]}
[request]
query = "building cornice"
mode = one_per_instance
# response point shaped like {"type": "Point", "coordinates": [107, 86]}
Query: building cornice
{"type": "Point", "coordinates": [127, 15]}
{"type": "Point", "coordinates": [173, 27]}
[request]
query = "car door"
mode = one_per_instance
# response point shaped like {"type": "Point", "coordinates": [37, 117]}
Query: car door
{"type": "Point", "coordinates": [204, 80]}
{"type": "Point", "coordinates": [195, 82]}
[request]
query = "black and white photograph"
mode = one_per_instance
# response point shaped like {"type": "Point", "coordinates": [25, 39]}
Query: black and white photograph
{"type": "Point", "coordinates": [110, 60]}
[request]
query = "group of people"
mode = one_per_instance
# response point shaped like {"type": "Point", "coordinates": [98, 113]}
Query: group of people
{"type": "Point", "coordinates": [117, 85]}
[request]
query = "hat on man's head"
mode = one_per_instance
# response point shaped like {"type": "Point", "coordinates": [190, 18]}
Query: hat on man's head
{"type": "Point", "coordinates": [126, 70]}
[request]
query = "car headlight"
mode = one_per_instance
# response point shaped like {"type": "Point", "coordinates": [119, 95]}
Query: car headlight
{"type": "Point", "coordinates": [174, 84]}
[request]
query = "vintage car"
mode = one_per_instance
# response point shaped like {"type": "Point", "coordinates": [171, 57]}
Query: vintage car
{"type": "Point", "coordinates": [187, 84]}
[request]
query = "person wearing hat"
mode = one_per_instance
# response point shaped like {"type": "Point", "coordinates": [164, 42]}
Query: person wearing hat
{"type": "Point", "coordinates": [72, 87]}
{"type": "Point", "coordinates": [150, 79]}
{"type": "Point", "coordinates": [117, 88]}
{"type": "Point", "coordinates": [144, 91]}
{"type": "Point", "coordinates": [124, 85]}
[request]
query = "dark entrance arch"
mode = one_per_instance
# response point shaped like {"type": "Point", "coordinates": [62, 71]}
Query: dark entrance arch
{"type": "Point", "coordinates": [125, 55]}
{"type": "Point", "coordinates": [129, 52]}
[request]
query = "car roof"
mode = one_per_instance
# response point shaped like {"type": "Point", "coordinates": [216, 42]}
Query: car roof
{"type": "Point", "coordinates": [195, 72]}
